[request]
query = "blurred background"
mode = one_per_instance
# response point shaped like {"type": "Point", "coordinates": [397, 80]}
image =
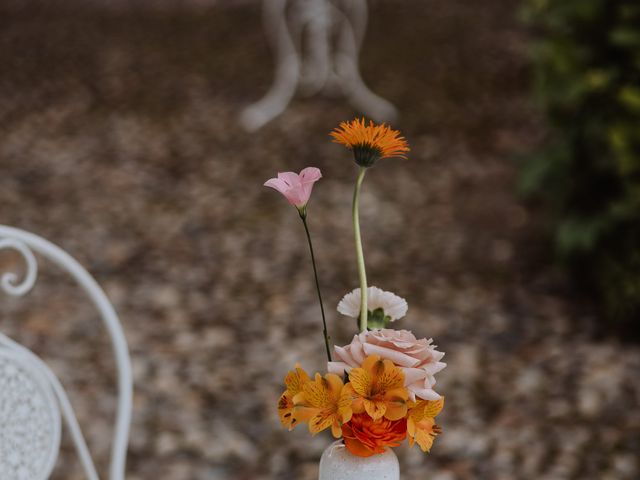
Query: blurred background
{"type": "Point", "coordinates": [512, 230]}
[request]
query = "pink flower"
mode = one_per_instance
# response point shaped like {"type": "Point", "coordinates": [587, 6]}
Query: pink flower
{"type": "Point", "coordinates": [296, 188]}
{"type": "Point", "coordinates": [418, 359]}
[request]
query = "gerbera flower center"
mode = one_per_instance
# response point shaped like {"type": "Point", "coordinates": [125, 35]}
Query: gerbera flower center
{"type": "Point", "coordinates": [366, 154]}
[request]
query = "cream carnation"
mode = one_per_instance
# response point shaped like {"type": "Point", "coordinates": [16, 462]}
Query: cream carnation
{"type": "Point", "coordinates": [393, 306]}
{"type": "Point", "coordinates": [418, 359]}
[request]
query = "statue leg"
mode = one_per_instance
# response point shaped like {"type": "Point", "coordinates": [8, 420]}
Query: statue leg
{"type": "Point", "coordinates": [347, 65]}
{"type": "Point", "coordinates": [287, 72]}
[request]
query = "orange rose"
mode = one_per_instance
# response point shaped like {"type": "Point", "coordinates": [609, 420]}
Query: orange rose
{"type": "Point", "coordinates": [365, 437]}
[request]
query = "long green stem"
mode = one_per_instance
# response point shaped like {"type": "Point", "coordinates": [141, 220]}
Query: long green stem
{"type": "Point", "coordinates": [303, 216]}
{"type": "Point", "coordinates": [362, 273]}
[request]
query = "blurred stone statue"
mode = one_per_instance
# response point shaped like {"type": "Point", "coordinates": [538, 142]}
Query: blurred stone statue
{"type": "Point", "coordinates": [317, 46]}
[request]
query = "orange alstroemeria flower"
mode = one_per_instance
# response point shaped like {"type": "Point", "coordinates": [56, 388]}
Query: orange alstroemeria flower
{"type": "Point", "coordinates": [323, 403]}
{"type": "Point", "coordinates": [295, 381]}
{"type": "Point", "coordinates": [378, 389]}
{"type": "Point", "coordinates": [364, 436]}
{"type": "Point", "coordinates": [421, 423]}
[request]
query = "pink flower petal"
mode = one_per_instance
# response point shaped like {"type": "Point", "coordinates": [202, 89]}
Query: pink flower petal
{"type": "Point", "coordinates": [296, 188]}
{"type": "Point", "coordinates": [343, 355]}
{"type": "Point", "coordinates": [338, 368]}
{"type": "Point", "coordinates": [356, 350]}
{"type": "Point", "coordinates": [418, 358]}
{"type": "Point", "coordinates": [277, 184]}
{"type": "Point", "coordinates": [396, 357]}
{"type": "Point", "coordinates": [433, 368]}
{"type": "Point", "coordinates": [290, 178]}
{"type": "Point", "coordinates": [413, 375]}
{"type": "Point", "coordinates": [310, 174]}
{"type": "Point", "coordinates": [425, 394]}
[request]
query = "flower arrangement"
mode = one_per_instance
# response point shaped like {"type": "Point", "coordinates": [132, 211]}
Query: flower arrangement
{"type": "Point", "coordinates": [378, 390]}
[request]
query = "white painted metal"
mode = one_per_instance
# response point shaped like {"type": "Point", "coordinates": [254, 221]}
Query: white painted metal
{"type": "Point", "coordinates": [26, 244]}
{"type": "Point", "coordinates": [291, 23]}
{"type": "Point", "coordinates": [338, 464]}
{"type": "Point", "coordinates": [30, 419]}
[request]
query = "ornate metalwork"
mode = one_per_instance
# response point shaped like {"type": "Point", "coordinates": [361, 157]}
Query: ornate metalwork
{"type": "Point", "coordinates": [9, 280]}
{"type": "Point", "coordinates": [26, 380]}
{"type": "Point", "coordinates": [29, 420]}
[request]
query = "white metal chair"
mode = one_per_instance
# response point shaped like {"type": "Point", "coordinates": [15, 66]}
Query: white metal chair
{"type": "Point", "coordinates": [32, 400]}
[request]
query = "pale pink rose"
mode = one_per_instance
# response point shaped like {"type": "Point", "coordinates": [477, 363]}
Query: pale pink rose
{"type": "Point", "coordinates": [418, 359]}
{"type": "Point", "coordinates": [296, 187]}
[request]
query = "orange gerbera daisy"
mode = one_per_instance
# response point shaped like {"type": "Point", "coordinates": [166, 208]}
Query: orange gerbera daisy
{"type": "Point", "coordinates": [370, 142]}
{"type": "Point", "coordinates": [323, 403]}
{"type": "Point", "coordinates": [378, 389]}
{"type": "Point", "coordinates": [421, 423]}
{"type": "Point", "coordinates": [295, 381]}
{"type": "Point", "coordinates": [364, 436]}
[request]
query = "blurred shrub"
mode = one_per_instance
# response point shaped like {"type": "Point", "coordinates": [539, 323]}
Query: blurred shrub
{"type": "Point", "coordinates": [586, 57]}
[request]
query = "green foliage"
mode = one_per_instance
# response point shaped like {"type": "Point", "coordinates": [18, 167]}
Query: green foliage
{"type": "Point", "coordinates": [587, 71]}
{"type": "Point", "coordinates": [377, 319]}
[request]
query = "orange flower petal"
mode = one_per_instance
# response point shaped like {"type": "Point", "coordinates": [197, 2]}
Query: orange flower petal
{"type": "Point", "coordinates": [345, 405]}
{"type": "Point", "coordinates": [323, 403]}
{"type": "Point", "coordinates": [303, 414]}
{"type": "Point", "coordinates": [336, 430]}
{"type": "Point", "coordinates": [433, 407]}
{"type": "Point", "coordinates": [424, 440]}
{"type": "Point", "coordinates": [391, 377]}
{"type": "Point", "coordinates": [358, 405]}
{"type": "Point", "coordinates": [395, 409]}
{"type": "Point", "coordinates": [320, 421]}
{"type": "Point", "coordinates": [358, 448]}
{"type": "Point", "coordinates": [364, 437]}
{"type": "Point", "coordinates": [285, 410]}
{"type": "Point", "coordinates": [370, 142]}
{"type": "Point", "coordinates": [375, 409]}
{"type": "Point", "coordinates": [296, 379]}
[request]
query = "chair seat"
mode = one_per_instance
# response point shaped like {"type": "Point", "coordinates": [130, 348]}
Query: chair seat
{"type": "Point", "coordinates": [29, 419]}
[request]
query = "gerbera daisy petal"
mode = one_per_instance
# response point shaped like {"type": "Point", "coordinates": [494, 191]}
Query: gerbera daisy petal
{"type": "Point", "coordinates": [370, 143]}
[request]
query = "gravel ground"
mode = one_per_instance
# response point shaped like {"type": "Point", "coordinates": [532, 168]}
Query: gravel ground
{"type": "Point", "coordinates": [120, 143]}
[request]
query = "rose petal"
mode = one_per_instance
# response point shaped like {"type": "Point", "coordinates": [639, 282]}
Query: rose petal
{"type": "Point", "coordinates": [412, 375]}
{"type": "Point", "coordinates": [396, 357]}
{"type": "Point", "coordinates": [338, 367]}
{"type": "Point", "coordinates": [356, 350]}
{"type": "Point", "coordinates": [343, 354]}
{"type": "Point", "coordinates": [425, 394]}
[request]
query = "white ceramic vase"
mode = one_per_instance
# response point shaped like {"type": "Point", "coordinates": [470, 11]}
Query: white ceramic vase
{"type": "Point", "coordinates": [338, 464]}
